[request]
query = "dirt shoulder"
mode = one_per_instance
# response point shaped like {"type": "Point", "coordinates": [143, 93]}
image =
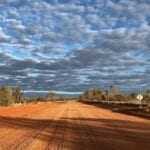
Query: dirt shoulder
{"type": "Point", "coordinates": [139, 110]}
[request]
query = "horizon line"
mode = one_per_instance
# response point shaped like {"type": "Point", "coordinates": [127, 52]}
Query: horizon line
{"type": "Point", "coordinates": [57, 92]}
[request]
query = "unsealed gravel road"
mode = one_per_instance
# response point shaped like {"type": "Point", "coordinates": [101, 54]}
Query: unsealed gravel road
{"type": "Point", "coordinates": [70, 126]}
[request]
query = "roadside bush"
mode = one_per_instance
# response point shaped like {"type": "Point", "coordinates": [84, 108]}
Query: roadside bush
{"type": "Point", "coordinates": [82, 98]}
{"type": "Point", "coordinates": [133, 95]}
{"type": "Point", "coordinates": [50, 96]}
{"type": "Point", "coordinates": [92, 95]}
{"type": "Point", "coordinates": [121, 98]}
{"type": "Point", "coordinates": [6, 97]}
{"type": "Point", "coordinates": [146, 98]}
{"type": "Point", "coordinates": [40, 99]}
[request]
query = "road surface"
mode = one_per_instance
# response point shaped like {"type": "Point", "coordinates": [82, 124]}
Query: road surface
{"type": "Point", "coordinates": [70, 126]}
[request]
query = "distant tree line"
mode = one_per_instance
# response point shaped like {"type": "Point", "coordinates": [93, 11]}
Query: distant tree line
{"type": "Point", "coordinates": [14, 95]}
{"type": "Point", "coordinates": [98, 95]}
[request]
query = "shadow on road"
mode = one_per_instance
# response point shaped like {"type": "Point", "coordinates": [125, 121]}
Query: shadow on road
{"type": "Point", "coordinates": [80, 131]}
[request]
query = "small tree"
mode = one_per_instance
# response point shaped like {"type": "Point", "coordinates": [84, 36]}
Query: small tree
{"type": "Point", "coordinates": [91, 95]}
{"type": "Point", "coordinates": [148, 92]}
{"type": "Point", "coordinates": [146, 98]}
{"type": "Point", "coordinates": [16, 92]}
{"type": "Point", "coordinates": [113, 89]}
{"type": "Point", "coordinates": [97, 94]}
{"type": "Point", "coordinates": [50, 96]}
{"type": "Point", "coordinates": [6, 97]}
{"type": "Point", "coordinates": [82, 97]}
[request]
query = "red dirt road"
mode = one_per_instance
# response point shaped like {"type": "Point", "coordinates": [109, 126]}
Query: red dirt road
{"type": "Point", "coordinates": [70, 126]}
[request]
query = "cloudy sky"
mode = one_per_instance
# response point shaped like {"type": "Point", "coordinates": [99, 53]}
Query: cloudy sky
{"type": "Point", "coordinates": [74, 45]}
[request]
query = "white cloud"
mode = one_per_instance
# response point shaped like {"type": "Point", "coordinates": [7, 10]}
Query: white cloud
{"type": "Point", "coordinates": [74, 39]}
{"type": "Point", "coordinates": [3, 37]}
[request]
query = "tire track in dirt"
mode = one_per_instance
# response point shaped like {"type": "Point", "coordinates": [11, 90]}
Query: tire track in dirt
{"type": "Point", "coordinates": [24, 138]}
{"type": "Point", "coordinates": [10, 131]}
{"type": "Point", "coordinates": [114, 124]}
{"type": "Point", "coordinates": [59, 132]}
{"type": "Point", "coordinates": [50, 132]}
{"type": "Point", "coordinates": [32, 137]}
{"type": "Point", "coordinates": [87, 130]}
{"type": "Point", "coordinates": [8, 128]}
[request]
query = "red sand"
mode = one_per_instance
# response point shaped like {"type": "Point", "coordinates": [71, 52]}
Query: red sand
{"type": "Point", "coordinates": [72, 126]}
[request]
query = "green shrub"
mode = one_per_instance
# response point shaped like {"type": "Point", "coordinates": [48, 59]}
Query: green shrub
{"type": "Point", "coordinates": [91, 95]}
{"type": "Point", "coordinates": [146, 98]}
{"type": "Point", "coordinates": [6, 97]}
